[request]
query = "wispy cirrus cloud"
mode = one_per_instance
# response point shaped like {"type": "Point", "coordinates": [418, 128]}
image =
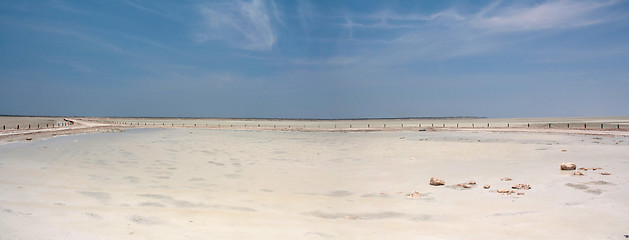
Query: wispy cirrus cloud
{"type": "Point", "coordinates": [548, 15]}
{"type": "Point", "coordinates": [395, 38]}
{"type": "Point", "coordinates": [495, 17]}
{"type": "Point", "coordinates": [244, 25]}
{"type": "Point", "coordinates": [95, 41]}
{"type": "Point", "coordinates": [145, 8]}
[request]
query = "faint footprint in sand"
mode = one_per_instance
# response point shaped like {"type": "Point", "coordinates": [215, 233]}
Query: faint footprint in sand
{"type": "Point", "coordinates": [151, 204]}
{"type": "Point", "coordinates": [97, 195]}
{"type": "Point", "coordinates": [132, 179]}
{"type": "Point", "coordinates": [317, 235]}
{"type": "Point", "coordinates": [156, 196]}
{"type": "Point", "coordinates": [144, 220]}
{"type": "Point", "coordinates": [339, 194]}
{"type": "Point", "coordinates": [230, 175]}
{"type": "Point", "coordinates": [216, 163]}
{"type": "Point", "coordinates": [6, 210]}
{"type": "Point", "coordinates": [92, 215]}
{"type": "Point", "coordinates": [585, 188]}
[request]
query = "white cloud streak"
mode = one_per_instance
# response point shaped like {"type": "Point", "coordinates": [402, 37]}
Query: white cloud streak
{"type": "Point", "coordinates": [276, 13]}
{"type": "Point", "coordinates": [154, 11]}
{"type": "Point", "coordinates": [496, 17]}
{"type": "Point", "coordinates": [448, 34]}
{"type": "Point", "coordinates": [78, 35]}
{"type": "Point", "coordinates": [548, 15]}
{"type": "Point", "coordinates": [306, 16]}
{"type": "Point", "coordinates": [244, 25]}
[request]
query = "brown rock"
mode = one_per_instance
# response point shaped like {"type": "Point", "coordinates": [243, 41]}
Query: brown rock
{"type": "Point", "coordinates": [588, 169]}
{"type": "Point", "coordinates": [578, 173]}
{"type": "Point", "coordinates": [472, 183]}
{"type": "Point", "coordinates": [414, 194]}
{"type": "Point", "coordinates": [463, 185]}
{"type": "Point", "coordinates": [29, 139]}
{"type": "Point", "coordinates": [506, 179]}
{"type": "Point", "coordinates": [486, 187]}
{"type": "Point", "coordinates": [505, 191]}
{"type": "Point", "coordinates": [520, 193]}
{"type": "Point", "coordinates": [568, 166]}
{"type": "Point", "coordinates": [521, 186]}
{"type": "Point", "coordinates": [605, 173]}
{"type": "Point", "coordinates": [436, 181]}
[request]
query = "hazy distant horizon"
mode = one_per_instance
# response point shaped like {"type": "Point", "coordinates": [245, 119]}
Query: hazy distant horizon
{"type": "Point", "coordinates": [261, 118]}
{"type": "Point", "coordinates": [316, 119]}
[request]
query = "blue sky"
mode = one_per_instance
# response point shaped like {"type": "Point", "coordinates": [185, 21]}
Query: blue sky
{"type": "Point", "coordinates": [314, 59]}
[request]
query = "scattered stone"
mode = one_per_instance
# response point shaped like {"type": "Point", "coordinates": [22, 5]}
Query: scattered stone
{"type": "Point", "coordinates": [29, 139]}
{"type": "Point", "coordinates": [472, 183]}
{"type": "Point", "coordinates": [486, 187]}
{"type": "Point", "coordinates": [578, 173]}
{"type": "Point", "coordinates": [520, 193]}
{"type": "Point", "coordinates": [521, 186]}
{"type": "Point", "coordinates": [587, 169]}
{"type": "Point", "coordinates": [436, 181]}
{"type": "Point", "coordinates": [568, 166]}
{"type": "Point", "coordinates": [605, 173]}
{"type": "Point", "coordinates": [505, 191]}
{"type": "Point", "coordinates": [506, 179]}
{"type": "Point", "coordinates": [463, 185]}
{"type": "Point", "coordinates": [564, 150]}
{"type": "Point", "coordinates": [414, 194]}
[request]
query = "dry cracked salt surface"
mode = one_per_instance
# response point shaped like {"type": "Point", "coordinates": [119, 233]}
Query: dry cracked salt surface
{"type": "Point", "coordinates": [226, 184]}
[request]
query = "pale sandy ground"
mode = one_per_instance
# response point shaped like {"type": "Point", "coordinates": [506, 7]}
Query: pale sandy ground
{"type": "Point", "coordinates": [231, 184]}
{"type": "Point", "coordinates": [592, 123]}
{"type": "Point", "coordinates": [63, 126]}
{"type": "Point", "coordinates": [12, 122]}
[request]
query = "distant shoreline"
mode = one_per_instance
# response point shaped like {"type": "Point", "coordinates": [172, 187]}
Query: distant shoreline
{"type": "Point", "coordinates": [34, 128]}
{"type": "Point", "coordinates": [261, 118]}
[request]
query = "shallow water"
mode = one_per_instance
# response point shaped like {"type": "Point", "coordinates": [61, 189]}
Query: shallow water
{"type": "Point", "coordinates": [227, 184]}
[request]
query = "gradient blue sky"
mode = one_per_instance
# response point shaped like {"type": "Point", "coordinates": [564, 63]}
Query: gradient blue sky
{"type": "Point", "coordinates": [314, 59]}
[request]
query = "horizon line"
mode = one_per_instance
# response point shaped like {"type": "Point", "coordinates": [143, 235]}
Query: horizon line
{"type": "Point", "coordinates": [256, 118]}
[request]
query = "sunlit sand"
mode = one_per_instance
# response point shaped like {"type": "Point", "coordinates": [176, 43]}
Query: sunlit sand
{"type": "Point", "coordinates": [193, 183]}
